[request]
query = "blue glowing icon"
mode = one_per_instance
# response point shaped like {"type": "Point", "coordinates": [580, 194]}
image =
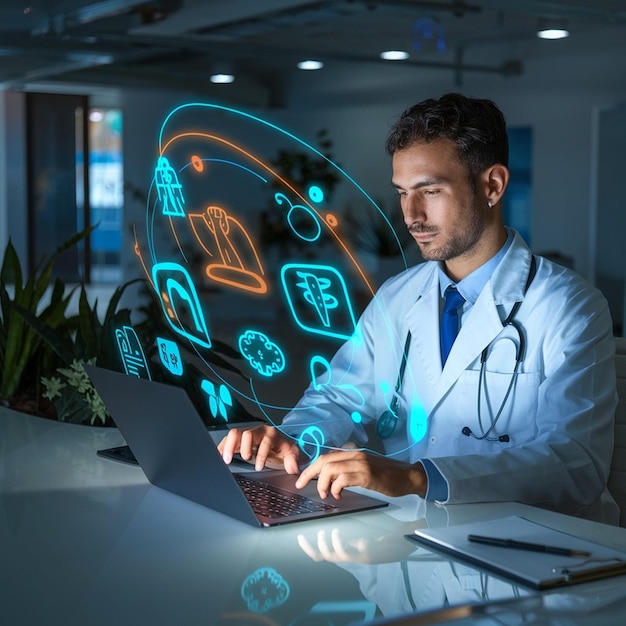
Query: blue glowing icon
{"type": "Point", "coordinates": [219, 399]}
{"type": "Point", "coordinates": [170, 356]}
{"type": "Point", "coordinates": [318, 298]}
{"type": "Point", "coordinates": [180, 302]}
{"type": "Point", "coordinates": [356, 417]}
{"type": "Point", "coordinates": [316, 360]}
{"type": "Point", "coordinates": [130, 349]}
{"type": "Point", "coordinates": [417, 422]}
{"type": "Point", "coordinates": [311, 442]}
{"type": "Point", "coordinates": [301, 219]}
{"type": "Point", "coordinates": [264, 589]}
{"type": "Point", "coordinates": [169, 190]}
{"type": "Point", "coordinates": [262, 353]}
{"type": "Point", "coordinates": [351, 390]}
{"type": "Point", "coordinates": [316, 194]}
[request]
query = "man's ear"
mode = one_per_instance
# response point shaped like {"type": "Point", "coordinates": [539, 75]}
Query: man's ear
{"type": "Point", "coordinates": [495, 180]}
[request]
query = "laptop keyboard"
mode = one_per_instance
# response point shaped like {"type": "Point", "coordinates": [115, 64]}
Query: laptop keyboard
{"type": "Point", "coordinates": [274, 503]}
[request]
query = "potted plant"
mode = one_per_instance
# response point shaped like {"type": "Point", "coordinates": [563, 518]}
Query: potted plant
{"type": "Point", "coordinates": [23, 356]}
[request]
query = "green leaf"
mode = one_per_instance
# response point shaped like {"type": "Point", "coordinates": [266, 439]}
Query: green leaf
{"type": "Point", "coordinates": [47, 333]}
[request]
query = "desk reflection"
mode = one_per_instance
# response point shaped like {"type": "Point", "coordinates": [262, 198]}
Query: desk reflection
{"type": "Point", "coordinates": [86, 540]}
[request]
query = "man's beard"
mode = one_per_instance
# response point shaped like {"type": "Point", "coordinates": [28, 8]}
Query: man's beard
{"type": "Point", "coordinates": [458, 244]}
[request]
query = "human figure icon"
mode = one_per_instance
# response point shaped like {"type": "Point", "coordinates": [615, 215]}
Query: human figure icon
{"type": "Point", "coordinates": [169, 190]}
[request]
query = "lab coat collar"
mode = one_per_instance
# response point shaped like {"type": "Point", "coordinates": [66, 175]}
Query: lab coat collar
{"type": "Point", "coordinates": [482, 323]}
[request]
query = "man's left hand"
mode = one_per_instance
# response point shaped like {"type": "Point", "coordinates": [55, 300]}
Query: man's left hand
{"type": "Point", "coordinates": [337, 470]}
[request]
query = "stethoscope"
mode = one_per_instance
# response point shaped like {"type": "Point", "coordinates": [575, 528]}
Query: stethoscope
{"type": "Point", "coordinates": [387, 422]}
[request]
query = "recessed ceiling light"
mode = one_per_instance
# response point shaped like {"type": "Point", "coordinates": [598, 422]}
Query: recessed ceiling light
{"type": "Point", "coordinates": [553, 33]}
{"type": "Point", "coordinates": [222, 79]}
{"type": "Point", "coordinates": [394, 55]}
{"type": "Point", "coordinates": [310, 64]}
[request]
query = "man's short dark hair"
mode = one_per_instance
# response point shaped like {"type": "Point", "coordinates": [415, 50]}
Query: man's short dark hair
{"type": "Point", "coordinates": [476, 126]}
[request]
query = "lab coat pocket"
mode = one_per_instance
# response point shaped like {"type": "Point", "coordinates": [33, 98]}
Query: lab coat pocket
{"type": "Point", "coordinates": [509, 401]}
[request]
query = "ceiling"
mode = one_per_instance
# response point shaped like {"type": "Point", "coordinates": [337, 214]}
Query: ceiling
{"type": "Point", "coordinates": [179, 43]}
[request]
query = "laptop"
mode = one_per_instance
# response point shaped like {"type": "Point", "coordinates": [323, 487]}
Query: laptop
{"type": "Point", "coordinates": [177, 453]}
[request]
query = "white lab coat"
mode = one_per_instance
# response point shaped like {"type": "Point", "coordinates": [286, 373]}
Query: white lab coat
{"type": "Point", "coordinates": [559, 415]}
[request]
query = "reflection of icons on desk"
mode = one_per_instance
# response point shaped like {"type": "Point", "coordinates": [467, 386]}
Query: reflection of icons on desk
{"type": "Point", "coordinates": [262, 353]}
{"type": "Point", "coordinates": [318, 298]}
{"type": "Point", "coordinates": [234, 259]}
{"type": "Point", "coordinates": [180, 302]}
{"type": "Point", "coordinates": [264, 589]}
{"type": "Point", "coordinates": [170, 356]}
{"type": "Point", "coordinates": [219, 399]}
{"type": "Point", "coordinates": [169, 190]}
{"type": "Point", "coordinates": [131, 352]}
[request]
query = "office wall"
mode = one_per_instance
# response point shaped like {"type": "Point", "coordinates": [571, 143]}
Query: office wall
{"type": "Point", "coordinates": [555, 97]}
{"type": "Point", "coordinates": [13, 171]}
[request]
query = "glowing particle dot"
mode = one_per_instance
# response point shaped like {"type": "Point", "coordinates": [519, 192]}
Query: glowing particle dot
{"type": "Point", "coordinates": [315, 193]}
{"type": "Point", "coordinates": [331, 219]}
{"type": "Point", "coordinates": [357, 418]}
{"type": "Point", "coordinates": [197, 163]}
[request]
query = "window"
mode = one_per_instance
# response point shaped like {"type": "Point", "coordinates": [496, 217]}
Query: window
{"type": "Point", "coordinates": [59, 134]}
{"type": "Point", "coordinates": [106, 193]}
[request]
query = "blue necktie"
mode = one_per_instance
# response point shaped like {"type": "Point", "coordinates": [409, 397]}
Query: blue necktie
{"type": "Point", "coordinates": [450, 321]}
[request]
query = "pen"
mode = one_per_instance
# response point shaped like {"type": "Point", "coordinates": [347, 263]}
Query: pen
{"type": "Point", "coordinates": [523, 545]}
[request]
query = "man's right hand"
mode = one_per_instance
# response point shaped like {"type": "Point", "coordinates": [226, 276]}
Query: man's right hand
{"type": "Point", "coordinates": [266, 443]}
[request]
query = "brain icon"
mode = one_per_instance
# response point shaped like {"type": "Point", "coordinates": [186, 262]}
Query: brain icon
{"type": "Point", "coordinates": [262, 353]}
{"type": "Point", "coordinates": [264, 590]}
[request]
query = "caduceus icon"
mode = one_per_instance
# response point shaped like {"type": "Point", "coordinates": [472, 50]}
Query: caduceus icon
{"type": "Point", "coordinates": [313, 291]}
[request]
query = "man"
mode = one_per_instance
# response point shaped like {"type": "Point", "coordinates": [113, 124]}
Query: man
{"type": "Point", "coordinates": [522, 408]}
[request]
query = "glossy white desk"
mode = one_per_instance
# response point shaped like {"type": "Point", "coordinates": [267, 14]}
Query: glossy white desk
{"type": "Point", "coordinates": [87, 541]}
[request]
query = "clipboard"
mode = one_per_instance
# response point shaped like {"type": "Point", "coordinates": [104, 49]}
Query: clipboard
{"type": "Point", "coordinates": [538, 570]}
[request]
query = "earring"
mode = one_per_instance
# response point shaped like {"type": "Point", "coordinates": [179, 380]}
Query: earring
{"type": "Point", "coordinates": [489, 204]}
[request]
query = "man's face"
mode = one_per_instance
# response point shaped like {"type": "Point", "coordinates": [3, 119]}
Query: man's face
{"type": "Point", "coordinates": [438, 202]}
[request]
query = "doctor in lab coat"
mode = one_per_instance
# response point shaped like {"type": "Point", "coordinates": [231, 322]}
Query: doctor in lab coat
{"type": "Point", "coordinates": [543, 434]}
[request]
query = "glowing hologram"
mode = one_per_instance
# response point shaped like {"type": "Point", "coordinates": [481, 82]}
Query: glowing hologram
{"type": "Point", "coordinates": [219, 399]}
{"type": "Point", "coordinates": [357, 418]}
{"type": "Point", "coordinates": [311, 442]}
{"type": "Point", "coordinates": [318, 298]}
{"type": "Point", "coordinates": [169, 190]}
{"type": "Point", "coordinates": [224, 238]}
{"type": "Point", "coordinates": [179, 301]}
{"type": "Point", "coordinates": [314, 291]}
{"type": "Point", "coordinates": [170, 356]}
{"type": "Point", "coordinates": [352, 390]}
{"type": "Point", "coordinates": [262, 353]}
{"type": "Point", "coordinates": [316, 194]}
{"type": "Point", "coordinates": [130, 349]}
{"type": "Point", "coordinates": [227, 180]}
{"type": "Point", "coordinates": [319, 360]}
{"type": "Point", "coordinates": [264, 589]}
{"type": "Point", "coordinates": [299, 218]}
{"type": "Point", "coordinates": [197, 163]}
{"type": "Point", "coordinates": [331, 220]}
{"type": "Point", "coordinates": [418, 423]}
